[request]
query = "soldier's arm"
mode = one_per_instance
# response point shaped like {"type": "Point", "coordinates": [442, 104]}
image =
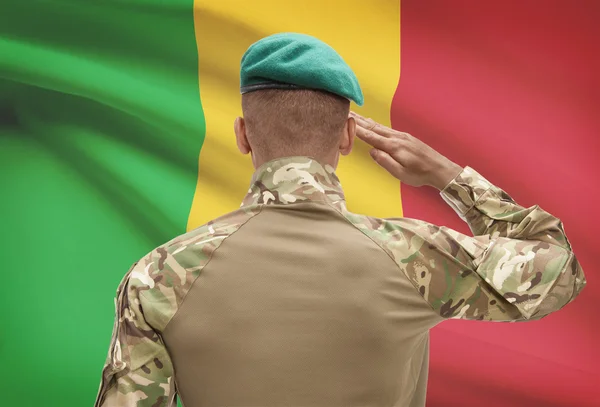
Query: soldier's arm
{"type": "Point", "coordinates": [518, 266]}
{"type": "Point", "coordinates": [138, 370]}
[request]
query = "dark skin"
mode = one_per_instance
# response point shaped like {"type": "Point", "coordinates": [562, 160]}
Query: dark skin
{"type": "Point", "coordinates": [404, 156]}
{"type": "Point", "coordinates": [346, 142]}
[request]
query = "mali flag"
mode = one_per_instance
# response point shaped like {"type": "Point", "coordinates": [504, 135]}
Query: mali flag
{"type": "Point", "coordinates": [116, 135]}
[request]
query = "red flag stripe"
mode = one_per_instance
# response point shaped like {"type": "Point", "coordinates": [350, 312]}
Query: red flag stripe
{"type": "Point", "coordinates": [511, 89]}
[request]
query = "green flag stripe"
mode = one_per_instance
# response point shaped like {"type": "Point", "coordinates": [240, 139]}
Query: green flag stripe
{"type": "Point", "coordinates": [99, 140]}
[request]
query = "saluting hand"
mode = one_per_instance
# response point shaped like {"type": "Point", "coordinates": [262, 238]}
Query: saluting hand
{"type": "Point", "coordinates": [405, 157]}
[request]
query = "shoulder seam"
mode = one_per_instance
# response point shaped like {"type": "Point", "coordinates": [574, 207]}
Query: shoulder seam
{"type": "Point", "coordinates": [206, 264]}
{"type": "Point", "coordinates": [390, 256]}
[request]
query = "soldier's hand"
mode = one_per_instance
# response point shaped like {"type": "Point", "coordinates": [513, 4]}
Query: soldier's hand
{"type": "Point", "coordinates": [405, 157]}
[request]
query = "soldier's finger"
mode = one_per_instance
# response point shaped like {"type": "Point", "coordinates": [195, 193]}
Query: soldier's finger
{"type": "Point", "coordinates": [356, 115]}
{"type": "Point", "coordinates": [376, 140]}
{"type": "Point", "coordinates": [368, 124]}
{"type": "Point", "coordinates": [378, 128]}
{"type": "Point", "coordinates": [388, 163]}
{"type": "Point", "coordinates": [361, 118]}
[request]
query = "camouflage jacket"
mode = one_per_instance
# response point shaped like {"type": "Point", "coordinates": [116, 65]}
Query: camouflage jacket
{"type": "Point", "coordinates": [518, 266]}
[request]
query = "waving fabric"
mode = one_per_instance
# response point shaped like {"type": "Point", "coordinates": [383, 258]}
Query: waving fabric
{"type": "Point", "coordinates": [116, 134]}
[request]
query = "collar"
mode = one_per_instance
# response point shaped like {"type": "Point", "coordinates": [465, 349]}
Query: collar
{"type": "Point", "coordinates": [294, 179]}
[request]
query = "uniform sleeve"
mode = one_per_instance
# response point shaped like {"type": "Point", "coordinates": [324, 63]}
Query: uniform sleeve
{"type": "Point", "coordinates": [138, 370]}
{"type": "Point", "coordinates": [519, 265]}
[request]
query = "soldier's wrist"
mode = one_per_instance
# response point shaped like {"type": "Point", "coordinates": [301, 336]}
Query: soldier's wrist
{"type": "Point", "coordinates": [445, 175]}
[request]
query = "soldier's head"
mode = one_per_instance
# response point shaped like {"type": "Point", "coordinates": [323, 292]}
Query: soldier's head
{"type": "Point", "coordinates": [288, 122]}
{"type": "Point", "coordinates": [296, 93]}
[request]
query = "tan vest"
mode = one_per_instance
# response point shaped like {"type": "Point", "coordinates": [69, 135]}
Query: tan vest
{"type": "Point", "coordinates": [300, 308]}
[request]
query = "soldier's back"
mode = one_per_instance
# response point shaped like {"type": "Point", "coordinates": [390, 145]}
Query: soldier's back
{"type": "Point", "coordinates": [292, 300]}
{"type": "Point", "coordinates": [298, 307]}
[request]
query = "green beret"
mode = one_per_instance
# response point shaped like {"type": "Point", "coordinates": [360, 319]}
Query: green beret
{"type": "Point", "coordinates": [297, 61]}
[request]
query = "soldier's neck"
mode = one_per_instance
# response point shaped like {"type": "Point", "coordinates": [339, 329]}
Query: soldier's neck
{"type": "Point", "coordinates": [326, 159]}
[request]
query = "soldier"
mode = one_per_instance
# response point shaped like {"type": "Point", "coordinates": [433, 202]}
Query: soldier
{"type": "Point", "coordinates": [293, 300]}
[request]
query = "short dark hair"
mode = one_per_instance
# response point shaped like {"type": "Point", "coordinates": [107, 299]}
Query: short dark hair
{"type": "Point", "coordinates": [283, 122]}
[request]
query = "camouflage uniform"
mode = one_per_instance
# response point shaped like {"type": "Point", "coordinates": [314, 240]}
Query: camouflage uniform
{"type": "Point", "coordinates": [277, 328]}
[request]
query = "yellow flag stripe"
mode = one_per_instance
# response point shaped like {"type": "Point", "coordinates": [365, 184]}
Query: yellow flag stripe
{"type": "Point", "coordinates": [365, 33]}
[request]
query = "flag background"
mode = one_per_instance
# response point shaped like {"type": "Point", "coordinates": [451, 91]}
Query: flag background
{"type": "Point", "coordinates": [99, 141]}
{"type": "Point", "coordinates": [511, 89]}
{"type": "Point", "coordinates": [116, 135]}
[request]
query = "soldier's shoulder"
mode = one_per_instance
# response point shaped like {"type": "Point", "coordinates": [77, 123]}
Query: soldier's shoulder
{"type": "Point", "coordinates": [210, 233]}
{"type": "Point", "coordinates": [188, 251]}
{"type": "Point", "coordinates": [384, 229]}
{"type": "Point", "coordinates": [165, 275]}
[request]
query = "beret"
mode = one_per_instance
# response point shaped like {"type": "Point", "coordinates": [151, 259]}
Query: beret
{"type": "Point", "coordinates": [297, 61]}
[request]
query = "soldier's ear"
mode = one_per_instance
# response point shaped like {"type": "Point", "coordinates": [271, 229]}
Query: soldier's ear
{"type": "Point", "coordinates": [239, 126]}
{"type": "Point", "coordinates": [348, 135]}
